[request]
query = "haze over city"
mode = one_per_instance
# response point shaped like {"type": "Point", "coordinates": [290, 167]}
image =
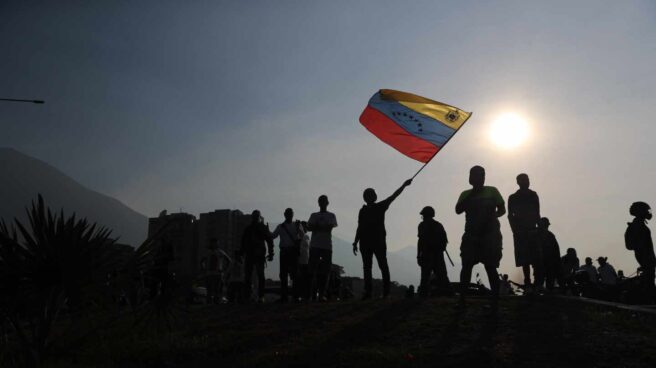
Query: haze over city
{"type": "Point", "coordinates": [237, 105]}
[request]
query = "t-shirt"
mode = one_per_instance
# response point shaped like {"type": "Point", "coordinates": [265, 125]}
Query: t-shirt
{"type": "Point", "coordinates": [523, 210]}
{"type": "Point", "coordinates": [371, 221]}
{"type": "Point", "coordinates": [322, 238]}
{"type": "Point", "coordinates": [481, 211]}
{"type": "Point", "coordinates": [289, 233]}
{"type": "Point", "coordinates": [550, 248]}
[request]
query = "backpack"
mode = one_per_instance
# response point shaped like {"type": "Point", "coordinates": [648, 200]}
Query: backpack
{"type": "Point", "coordinates": [630, 236]}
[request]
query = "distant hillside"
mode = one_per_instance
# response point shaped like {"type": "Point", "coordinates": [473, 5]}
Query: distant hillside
{"type": "Point", "coordinates": [24, 177]}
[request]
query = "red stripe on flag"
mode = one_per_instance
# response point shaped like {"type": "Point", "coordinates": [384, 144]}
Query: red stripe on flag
{"type": "Point", "coordinates": [391, 133]}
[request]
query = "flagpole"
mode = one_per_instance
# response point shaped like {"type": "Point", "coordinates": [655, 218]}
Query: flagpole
{"type": "Point", "coordinates": [447, 141]}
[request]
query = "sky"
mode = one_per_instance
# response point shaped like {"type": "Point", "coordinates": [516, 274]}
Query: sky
{"type": "Point", "coordinates": [202, 105]}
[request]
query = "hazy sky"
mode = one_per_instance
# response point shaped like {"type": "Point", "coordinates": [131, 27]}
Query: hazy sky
{"type": "Point", "coordinates": [255, 104]}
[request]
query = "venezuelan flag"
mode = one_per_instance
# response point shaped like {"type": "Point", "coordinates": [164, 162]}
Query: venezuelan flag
{"type": "Point", "coordinates": [413, 125]}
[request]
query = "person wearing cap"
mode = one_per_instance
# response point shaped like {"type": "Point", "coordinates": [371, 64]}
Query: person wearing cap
{"type": "Point", "coordinates": [430, 247]}
{"type": "Point", "coordinates": [523, 216]}
{"type": "Point", "coordinates": [550, 250]}
{"type": "Point", "coordinates": [371, 235]}
{"type": "Point", "coordinates": [638, 239]}
{"type": "Point", "coordinates": [482, 241]}
{"type": "Point", "coordinates": [255, 242]}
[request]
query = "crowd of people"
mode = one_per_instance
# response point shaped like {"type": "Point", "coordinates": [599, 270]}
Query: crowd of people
{"type": "Point", "coordinates": [306, 260]}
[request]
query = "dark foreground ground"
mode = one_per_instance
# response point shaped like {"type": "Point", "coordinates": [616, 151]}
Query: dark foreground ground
{"type": "Point", "coordinates": [544, 332]}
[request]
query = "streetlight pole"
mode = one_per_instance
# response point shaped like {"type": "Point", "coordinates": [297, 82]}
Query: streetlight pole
{"type": "Point", "coordinates": [18, 100]}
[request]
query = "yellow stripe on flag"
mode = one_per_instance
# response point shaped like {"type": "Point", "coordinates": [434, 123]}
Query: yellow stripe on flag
{"type": "Point", "coordinates": [449, 115]}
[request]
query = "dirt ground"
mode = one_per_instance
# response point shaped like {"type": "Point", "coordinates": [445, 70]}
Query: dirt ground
{"type": "Point", "coordinates": [518, 331]}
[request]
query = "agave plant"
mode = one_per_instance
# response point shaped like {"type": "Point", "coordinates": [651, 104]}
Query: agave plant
{"type": "Point", "coordinates": [63, 266]}
{"type": "Point", "coordinates": [54, 265]}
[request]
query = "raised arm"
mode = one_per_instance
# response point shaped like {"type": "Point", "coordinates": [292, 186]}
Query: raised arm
{"type": "Point", "coordinates": [398, 192]}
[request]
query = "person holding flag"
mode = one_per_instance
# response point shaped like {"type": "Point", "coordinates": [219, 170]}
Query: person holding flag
{"type": "Point", "coordinates": [481, 242]}
{"type": "Point", "coordinates": [371, 236]}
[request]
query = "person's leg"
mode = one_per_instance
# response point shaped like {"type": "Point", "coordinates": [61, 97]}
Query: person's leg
{"type": "Point", "coordinates": [466, 273]}
{"type": "Point", "coordinates": [326, 265]}
{"type": "Point", "coordinates": [538, 275]}
{"type": "Point", "coordinates": [313, 269]}
{"type": "Point", "coordinates": [260, 277]}
{"type": "Point", "coordinates": [493, 278]}
{"type": "Point", "coordinates": [208, 289]}
{"type": "Point", "coordinates": [248, 278]}
{"type": "Point", "coordinates": [526, 269]}
{"type": "Point", "coordinates": [380, 251]}
{"type": "Point", "coordinates": [367, 263]}
{"type": "Point", "coordinates": [284, 272]}
{"type": "Point", "coordinates": [442, 277]}
{"type": "Point", "coordinates": [424, 284]}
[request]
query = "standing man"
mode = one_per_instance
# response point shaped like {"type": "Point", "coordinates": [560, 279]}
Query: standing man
{"type": "Point", "coordinates": [371, 235]}
{"type": "Point", "coordinates": [255, 242]}
{"type": "Point", "coordinates": [481, 242]}
{"type": "Point", "coordinates": [551, 268]}
{"type": "Point", "coordinates": [430, 253]}
{"type": "Point", "coordinates": [290, 239]}
{"type": "Point", "coordinates": [638, 239]}
{"type": "Point", "coordinates": [523, 215]}
{"type": "Point", "coordinates": [321, 225]}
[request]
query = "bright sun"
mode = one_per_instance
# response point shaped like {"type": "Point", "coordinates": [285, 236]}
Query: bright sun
{"type": "Point", "coordinates": [509, 131]}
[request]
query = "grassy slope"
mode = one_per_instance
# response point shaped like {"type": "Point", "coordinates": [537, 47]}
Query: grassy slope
{"type": "Point", "coordinates": [519, 332]}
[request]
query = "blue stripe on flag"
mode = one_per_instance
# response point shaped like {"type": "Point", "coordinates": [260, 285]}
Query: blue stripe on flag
{"type": "Point", "coordinates": [419, 125]}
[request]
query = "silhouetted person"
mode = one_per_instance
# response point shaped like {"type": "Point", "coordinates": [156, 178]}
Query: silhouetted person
{"type": "Point", "coordinates": [607, 279]}
{"type": "Point", "coordinates": [505, 287]}
{"type": "Point", "coordinates": [321, 225]}
{"type": "Point", "coordinates": [255, 242]}
{"type": "Point", "coordinates": [591, 271]}
{"type": "Point", "coordinates": [290, 242]}
{"type": "Point", "coordinates": [523, 215]}
{"type": "Point", "coordinates": [620, 275]}
{"type": "Point", "coordinates": [371, 235]}
{"type": "Point", "coordinates": [236, 280]}
{"type": "Point", "coordinates": [638, 239]}
{"type": "Point", "coordinates": [551, 266]}
{"type": "Point", "coordinates": [212, 272]}
{"type": "Point", "coordinates": [410, 293]}
{"type": "Point", "coordinates": [481, 242]}
{"type": "Point", "coordinates": [430, 253]}
{"type": "Point", "coordinates": [304, 276]}
{"type": "Point", "coordinates": [570, 264]}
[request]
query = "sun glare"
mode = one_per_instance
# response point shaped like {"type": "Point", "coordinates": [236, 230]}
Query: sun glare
{"type": "Point", "coordinates": [509, 131]}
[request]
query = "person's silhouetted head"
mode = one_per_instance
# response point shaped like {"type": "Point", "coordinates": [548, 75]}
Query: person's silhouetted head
{"type": "Point", "coordinates": [620, 274]}
{"type": "Point", "coordinates": [256, 216]}
{"type": "Point", "coordinates": [571, 252]}
{"type": "Point", "coordinates": [289, 215]}
{"type": "Point", "coordinates": [323, 202]}
{"type": "Point", "coordinates": [304, 226]}
{"type": "Point", "coordinates": [477, 176]}
{"type": "Point", "coordinates": [505, 277]}
{"type": "Point", "coordinates": [602, 260]}
{"type": "Point", "coordinates": [640, 210]}
{"type": "Point", "coordinates": [544, 223]}
{"type": "Point", "coordinates": [588, 261]}
{"type": "Point", "coordinates": [369, 196]}
{"type": "Point", "coordinates": [427, 212]}
{"type": "Point", "coordinates": [522, 181]}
